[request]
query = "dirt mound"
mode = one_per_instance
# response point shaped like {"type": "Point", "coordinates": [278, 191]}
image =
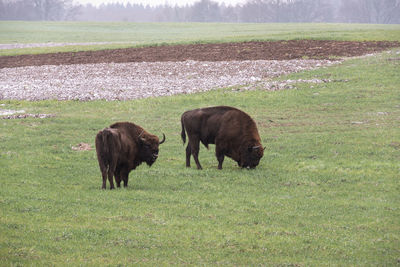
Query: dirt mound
{"type": "Point", "coordinates": [277, 50]}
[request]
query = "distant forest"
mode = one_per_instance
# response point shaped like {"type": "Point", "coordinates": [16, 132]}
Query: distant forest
{"type": "Point", "coordinates": [259, 11]}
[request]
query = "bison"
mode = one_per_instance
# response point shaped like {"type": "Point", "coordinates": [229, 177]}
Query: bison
{"type": "Point", "coordinates": [121, 148]}
{"type": "Point", "coordinates": [233, 132]}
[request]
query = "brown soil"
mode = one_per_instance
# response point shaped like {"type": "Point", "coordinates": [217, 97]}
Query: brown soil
{"type": "Point", "coordinates": [277, 50]}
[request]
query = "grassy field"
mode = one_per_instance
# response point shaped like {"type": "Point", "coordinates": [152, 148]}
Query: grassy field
{"type": "Point", "coordinates": [326, 192]}
{"type": "Point", "coordinates": [141, 34]}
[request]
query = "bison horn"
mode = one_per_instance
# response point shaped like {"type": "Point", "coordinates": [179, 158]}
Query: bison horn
{"type": "Point", "coordinates": [140, 137]}
{"type": "Point", "coordinates": [256, 147]}
{"type": "Point", "coordinates": [141, 133]}
{"type": "Point", "coordinates": [163, 140]}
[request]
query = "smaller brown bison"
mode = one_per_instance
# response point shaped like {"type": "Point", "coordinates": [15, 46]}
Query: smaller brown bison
{"type": "Point", "coordinates": [233, 132]}
{"type": "Point", "coordinates": [121, 148]}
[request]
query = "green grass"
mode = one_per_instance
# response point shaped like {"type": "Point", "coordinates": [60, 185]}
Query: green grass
{"type": "Point", "coordinates": [142, 34]}
{"type": "Point", "coordinates": [326, 192]}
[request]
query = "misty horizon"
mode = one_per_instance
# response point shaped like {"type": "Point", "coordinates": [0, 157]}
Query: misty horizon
{"type": "Point", "coordinates": [254, 11]}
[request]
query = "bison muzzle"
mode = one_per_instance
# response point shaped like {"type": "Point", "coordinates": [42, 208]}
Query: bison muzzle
{"type": "Point", "coordinates": [233, 132]}
{"type": "Point", "coordinates": [121, 148]}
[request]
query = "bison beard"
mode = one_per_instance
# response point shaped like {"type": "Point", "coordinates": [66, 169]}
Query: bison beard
{"type": "Point", "coordinates": [233, 132]}
{"type": "Point", "coordinates": [121, 148]}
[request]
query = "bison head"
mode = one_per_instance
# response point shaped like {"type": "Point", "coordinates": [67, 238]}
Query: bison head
{"type": "Point", "coordinates": [251, 155]}
{"type": "Point", "coordinates": [149, 147]}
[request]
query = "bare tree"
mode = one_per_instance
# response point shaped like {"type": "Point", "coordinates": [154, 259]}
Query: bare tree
{"type": "Point", "coordinates": [17, 10]}
{"type": "Point", "coordinates": [258, 11]}
{"type": "Point", "coordinates": [37, 9]}
{"type": "Point", "coordinates": [308, 11]}
{"type": "Point", "coordinates": [371, 11]}
{"type": "Point", "coordinates": [229, 13]}
{"type": "Point", "coordinates": [205, 11]}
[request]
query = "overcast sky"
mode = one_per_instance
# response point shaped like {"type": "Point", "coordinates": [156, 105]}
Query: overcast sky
{"type": "Point", "coordinates": [155, 2]}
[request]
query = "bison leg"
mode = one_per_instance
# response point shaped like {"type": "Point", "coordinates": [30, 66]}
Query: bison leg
{"type": "Point", "coordinates": [118, 177]}
{"type": "Point", "coordinates": [194, 148]}
{"type": "Point", "coordinates": [220, 157]}
{"type": "Point", "coordinates": [125, 176]}
{"type": "Point", "coordinates": [104, 174]}
{"type": "Point", "coordinates": [188, 153]}
{"type": "Point", "coordinates": [103, 170]}
{"type": "Point", "coordinates": [118, 181]}
{"type": "Point", "coordinates": [110, 178]}
{"type": "Point", "coordinates": [111, 173]}
{"type": "Point", "coordinates": [196, 159]}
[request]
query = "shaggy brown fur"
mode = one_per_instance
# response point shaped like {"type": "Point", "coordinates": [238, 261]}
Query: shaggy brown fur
{"type": "Point", "coordinates": [233, 132]}
{"type": "Point", "coordinates": [121, 148]}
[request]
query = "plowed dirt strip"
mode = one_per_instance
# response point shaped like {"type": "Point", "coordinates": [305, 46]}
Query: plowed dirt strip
{"type": "Point", "coordinates": [277, 50]}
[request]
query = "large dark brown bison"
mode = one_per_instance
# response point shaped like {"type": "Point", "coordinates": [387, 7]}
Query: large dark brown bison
{"type": "Point", "coordinates": [233, 132]}
{"type": "Point", "coordinates": [121, 148]}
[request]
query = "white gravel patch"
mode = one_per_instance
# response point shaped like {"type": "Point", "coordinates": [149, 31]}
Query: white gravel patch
{"type": "Point", "coordinates": [125, 81]}
{"type": "Point", "coordinates": [7, 112]}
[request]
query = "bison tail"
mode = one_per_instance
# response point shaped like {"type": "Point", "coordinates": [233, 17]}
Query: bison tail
{"type": "Point", "coordinates": [107, 135]}
{"type": "Point", "coordinates": [183, 134]}
{"type": "Point", "coordinates": [100, 152]}
{"type": "Point", "coordinates": [104, 146]}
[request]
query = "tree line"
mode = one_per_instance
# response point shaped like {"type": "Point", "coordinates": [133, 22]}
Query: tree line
{"type": "Point", "coordinates": [259, 11]}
